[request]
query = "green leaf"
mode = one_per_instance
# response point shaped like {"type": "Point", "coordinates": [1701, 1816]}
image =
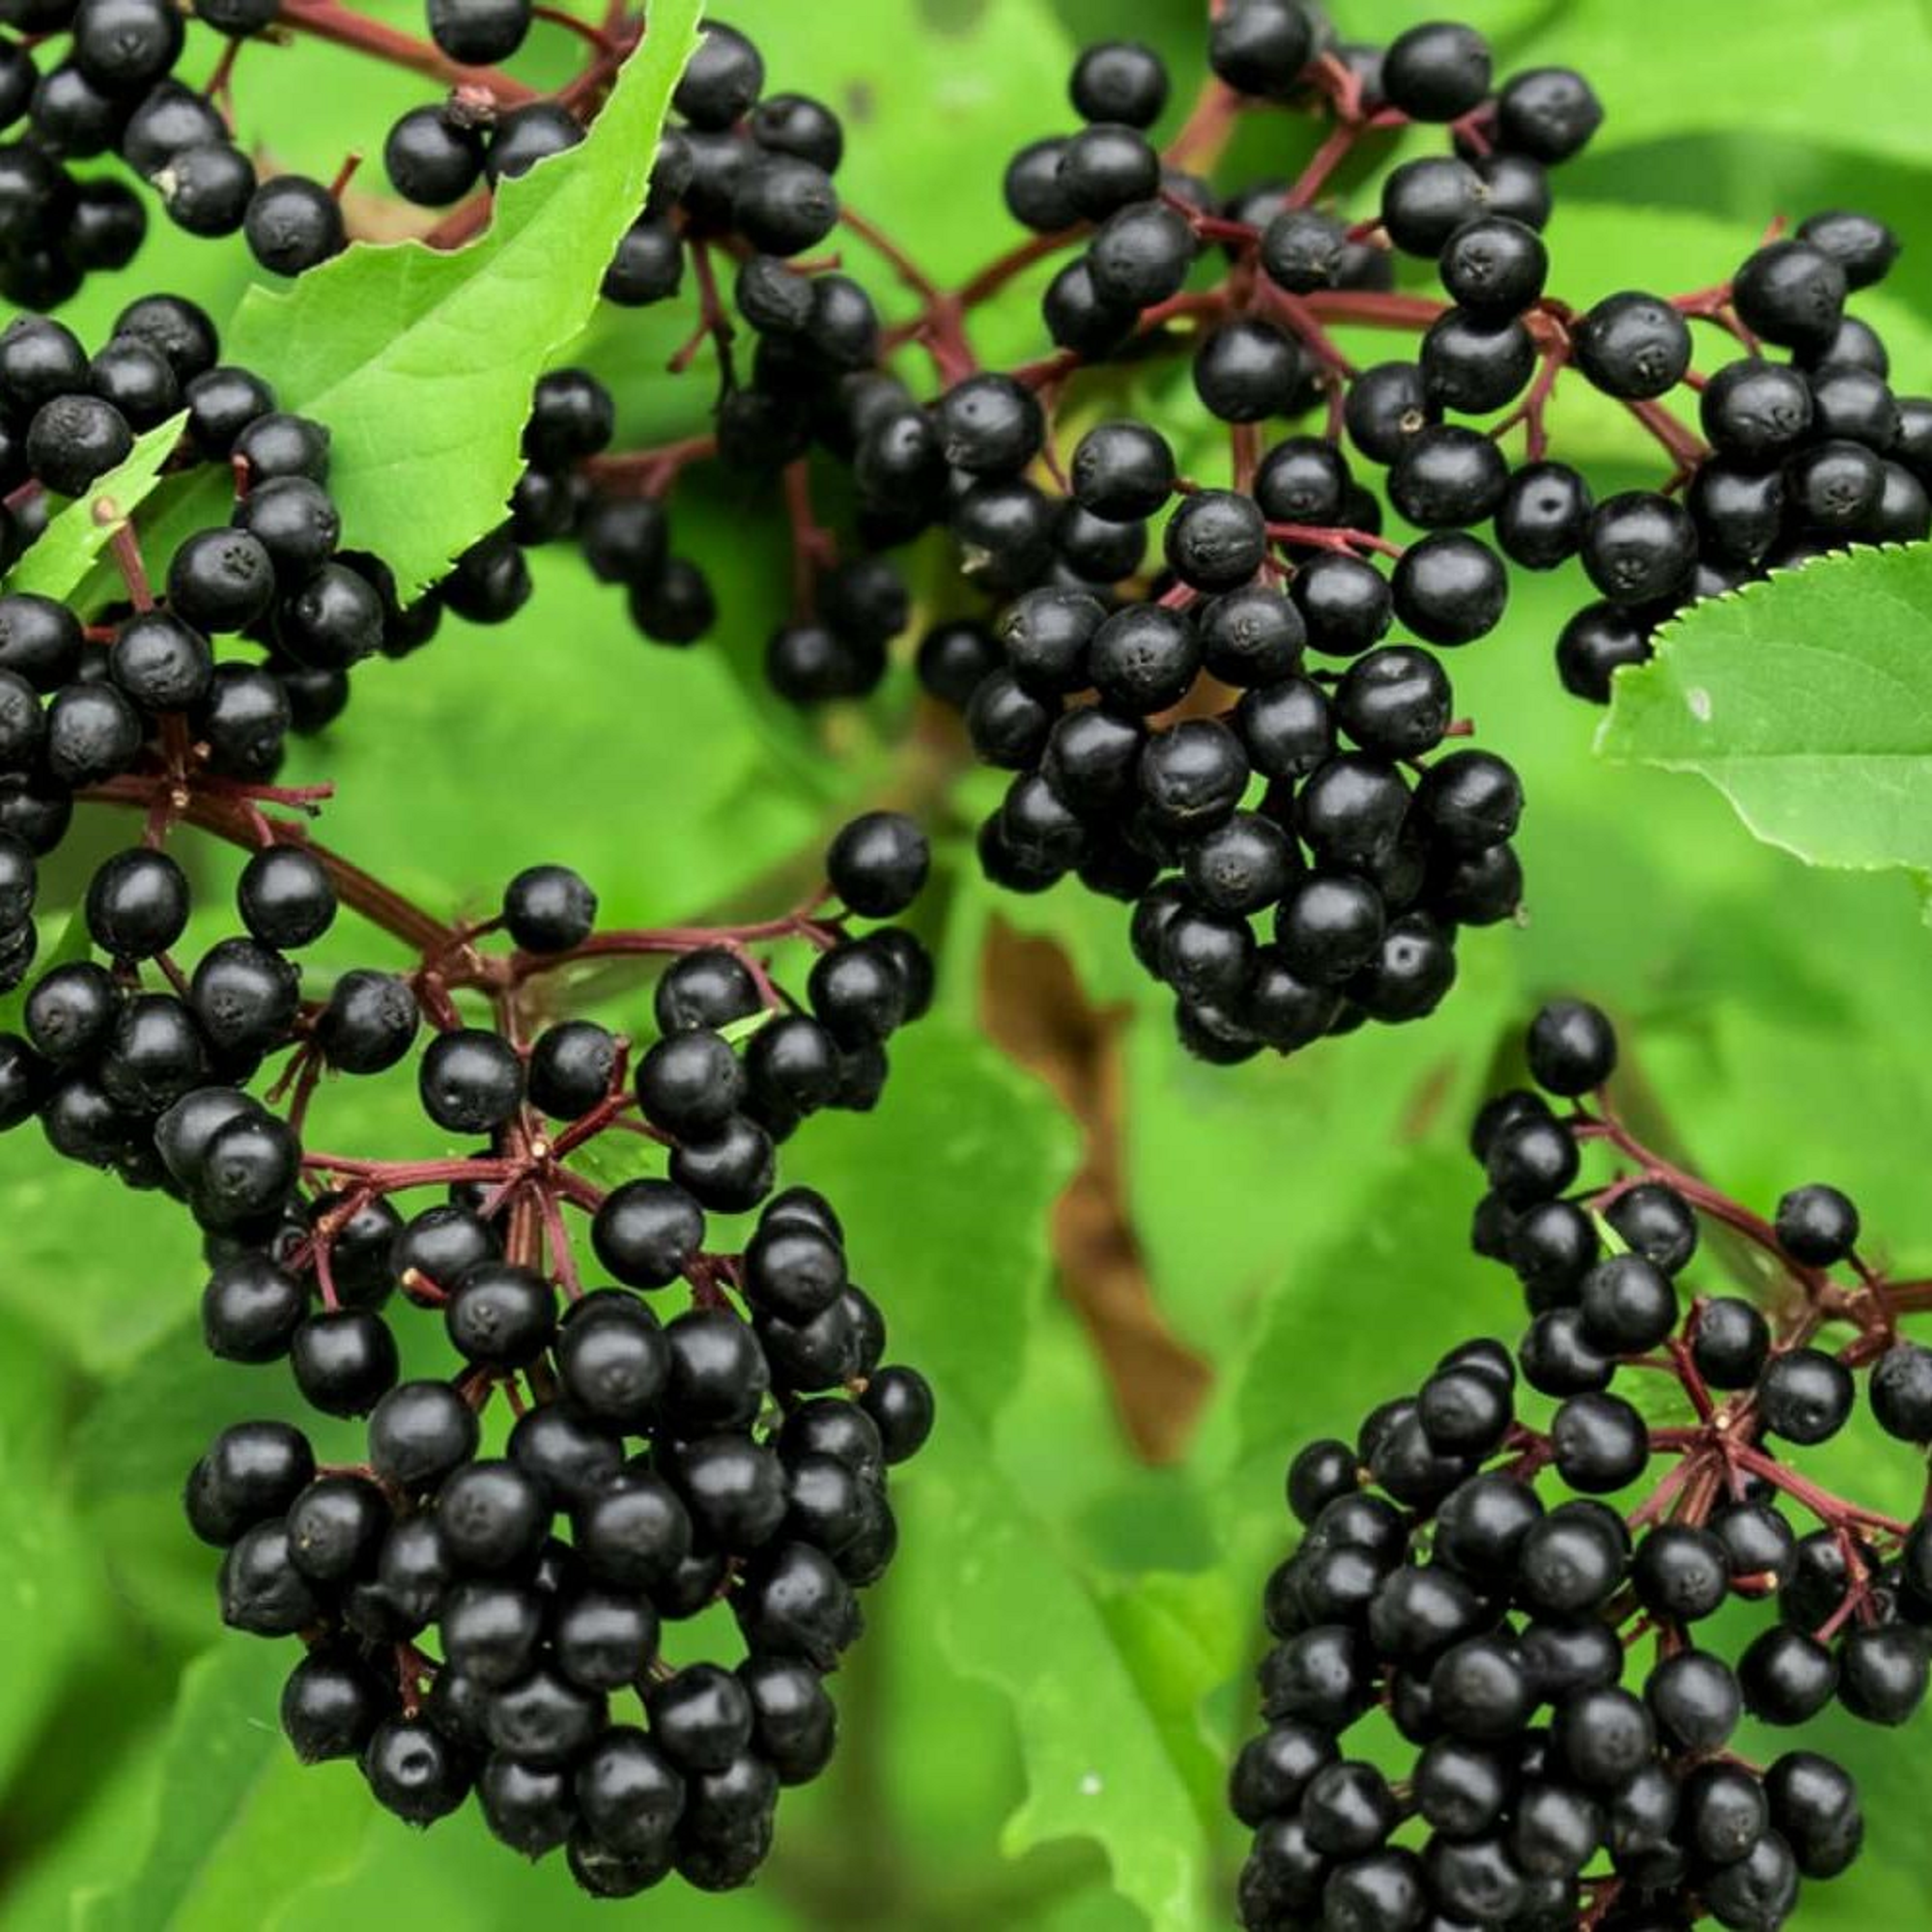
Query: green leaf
{"type": "Point", "coordinates": [546, 732]}
{"type": "Point", "coordinates": [1808, 702]}
{"type": "Point", "coordinates": [1413, 1289]}
{"type": "Point", "coordinates": [1093, 1700]}
{"type": "Point", "coordinates": [239, 1828]}
{"type": "Point", "coordinates": [65, 551]}
{"type": "Point", "coordinates": [929, 85]}
{"type": "Point", "coordinates": [49, 1608]}
{"type": "Point", "coordinates": [99, 1270]}
{"type": "Point", "coordinates": [421, 363]}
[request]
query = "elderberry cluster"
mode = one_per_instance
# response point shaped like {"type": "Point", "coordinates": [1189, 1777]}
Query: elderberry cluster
{"type": "Point", "coordinates": [438, 154]}
{"type": "Point", "coordinates": [743, 178]}
{"type": "Point", "coordinates": [468, 1615]}
{"type": "Point", "coordinates": [670, 1465]}
{"type": "Point", "coordinates": [253, 626]}
{"type": "Point", "coordinates": [96, 77]}
{"type": "Point", "coordinates": [1461, 1576]}
{"type": "Point", "coordinates": [1808, 455]}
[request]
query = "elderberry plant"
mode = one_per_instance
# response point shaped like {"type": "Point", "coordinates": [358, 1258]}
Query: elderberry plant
{"type": "Point", "coordinates": [1566, 1751]}
{"type": "Point", "coordinates": [526, 1400]}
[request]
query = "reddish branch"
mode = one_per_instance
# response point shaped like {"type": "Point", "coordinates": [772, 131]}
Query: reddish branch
{"type": "Point", "coordinates": [1721, 1449]}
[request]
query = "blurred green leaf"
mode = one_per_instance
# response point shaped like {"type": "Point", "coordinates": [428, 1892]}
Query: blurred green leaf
{"type": "Point", "coordinates": [1323, 1358]}
{"type": "Point", "coordinates": [238, 1827]}
{"type": "Point", "coordinates": [922, 88]}
{"type": "Point", "coordinates": [422, 364]}
{"type": "Point", "coordinates": [96, 1268]}
{"type": "Point", "coordinates": [1807, 702]}
{"type": "Point", "coordinates": [947, 1192]}
{"type": "Point", "coordinates": [49, 1602]}
{"type": "Point", "coordinates": [949, 1185]}
{"type": "Point", "coordinates": [65, 551]}
{"type": "Point", "coordinates": [1093, 1709]}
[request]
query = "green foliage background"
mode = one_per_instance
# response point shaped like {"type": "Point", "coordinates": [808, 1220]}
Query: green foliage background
{"type": "Point", "coordinates": [1036, 1729]}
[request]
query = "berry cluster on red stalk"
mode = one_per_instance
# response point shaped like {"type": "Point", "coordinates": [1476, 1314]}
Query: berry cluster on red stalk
{"type": "Point", "coordinates": [101, 77]}
{"type": "Point", "coordinates": [477, 1599]}
{"type": "Point", "coordinates": [1230, 731]}
{"type": "Point", "coordinates": [1461, 1576]}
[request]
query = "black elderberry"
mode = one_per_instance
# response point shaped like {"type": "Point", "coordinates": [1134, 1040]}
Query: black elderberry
{"type": "Point", "coordinates": [469, 1081]}
{"type": "Point", "coordinates": [1449, 588]}
{"type": "Point", "coordinates": [1790, 293]}
{"type": "Point", "coordinates": [344, 1361]}
{"type": "Point", "coordinates": [1447, 477]}
{"type": "Point", "coordinates": [1837, 487]}
{"type": "Point", "coordinates": [1884, 1672]}
{"type": "Point", "coordinates": [250, 1310]}
{"type": "Point", "coordinates": [1814, 1805]}
{"type": "Point", "coordinates": [1640, 547]}
{"type": "Point", "coordinates": [878, 864]}
{"type": "Point", "coordinates": [1425, 202]}
{"type": "Point", "coordinates": [500, 1316]}
{"type": "Point", "coordinates": [414, 1771]}
{"type": "Point", "coordinates": [137, 380]}
{"type": "Point", "coordinates": [1121, 81]}
{"type": "Point", "coordinates": [1655, 1221]}
{"type": "Point", "coordinates": [1303, 249]}
{"type": "Point", "coordinates": [1817, 1225]}
{"type": "Point", "coordinates": [331, 1705]}
{"type": "Point", "coordinates": [1543, 515]}
{"type": "Point", "coordinates": [1035, 194]}
{"type": "Point", "coordinates": [431, 157]}
{"type": "Point", "coordinates": [1249, 369]}
{"type": "Point", "coordinates": [1494, 267]}
{"type": "Point", "coordinates": [1901, 1392]}
{"type": "Point", "coordinates": [1804, 1394]}
{"type": "Point", "coordinates": [261, 1592]}
{"type": "Point", "coordinates": [900, 1403]}
{"type": "Point", "coordinates": [73, 440]}
{"type": "Point", "coordinates": [526, 135]}
{"type": "Point", "coordinates": [1632, 346]}
{"type": "Point", "coordinates": [293, 224]}
{"type": "Point", "coordinates": [94, 734]}
{"type": "Point", "coordinates": [1474, 364]}
{"type": "Point", "coordinates": [369, 1022]}
{"type": "Point", "coordinates": [1261, 47]}
{"type": "Point", "coordinates": [1436, 73]}
{"type": "Point", "coordinates": [137, 905]}
{"type": "Point", "coordinates": [1788, 1677]}
{"type": "Point", "coordinates": [1600, 1442]}
{"type": "Point", "coordinates": [161, 664]}
{"type": "Point", "coordinates": [419, 1432]}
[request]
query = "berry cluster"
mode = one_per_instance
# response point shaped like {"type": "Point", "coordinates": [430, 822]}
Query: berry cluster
{"type": "Point", "coordinates": [1462, 1575]}
{"type": "Point", "coordinates": [1203, 690]}
{"type": "Point", "coordinates": [467, 1612]}
{"type": "Point", "coordinates": [98, 77]}
{"type": "Point", "coordinates": [1801, 456]}
{"type": "Point", "coordinates": [137, 696]}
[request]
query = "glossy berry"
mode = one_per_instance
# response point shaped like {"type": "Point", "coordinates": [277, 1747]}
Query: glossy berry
{"type": "Point", "coordinates": [1817, 1225]}
{"type": "Point", "coordinates": [1634, 347]}
{"type": "Point", "coordinates": [549, 909]}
